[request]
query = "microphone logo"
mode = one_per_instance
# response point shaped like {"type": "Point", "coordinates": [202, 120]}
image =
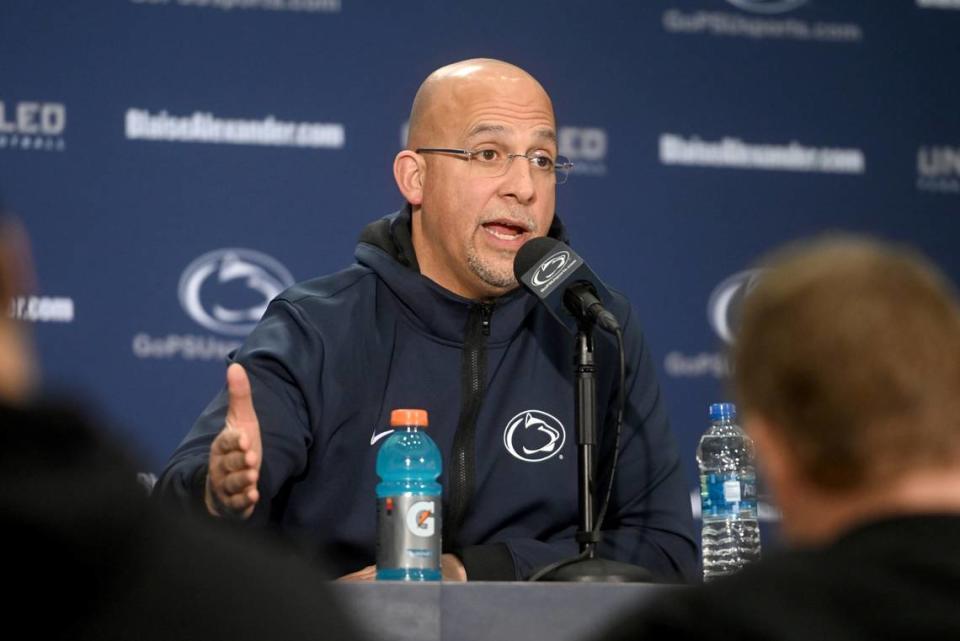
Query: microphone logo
{"type": "Point", "coordinates": [551, 270]}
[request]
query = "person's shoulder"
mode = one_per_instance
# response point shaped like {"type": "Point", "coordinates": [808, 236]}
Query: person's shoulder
{"type": "Point", "coordinates": [620, 306]}
{"type": "Point", "coordinates": [730, 608]}
{"type": "Point", "coordinates": [351, 281]}
{"type": "Point", "coordinates": [222, 581]}
{"type": "Point", "coordinates": [788, 585]}
{"type": "Point", "coordinates": [328, 306]}
{"type": "Point", "coordinates": [618, 298]}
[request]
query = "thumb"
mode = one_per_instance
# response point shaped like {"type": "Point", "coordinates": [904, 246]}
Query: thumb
{"type": "Point", "coordinates": [240, 412]}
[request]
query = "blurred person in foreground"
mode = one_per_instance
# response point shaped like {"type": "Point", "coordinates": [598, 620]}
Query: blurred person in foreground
{"type": "Point", "coordinates": [88, 556]}
{"type": "Point", "coordinates": [847, 371]}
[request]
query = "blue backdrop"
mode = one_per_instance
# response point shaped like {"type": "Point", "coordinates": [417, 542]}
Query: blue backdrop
{"type": "Point", "coordinates": [176, 162]}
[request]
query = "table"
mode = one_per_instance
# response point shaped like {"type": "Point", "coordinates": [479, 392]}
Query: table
{"type": "Point", "coordinates": [474, 611]}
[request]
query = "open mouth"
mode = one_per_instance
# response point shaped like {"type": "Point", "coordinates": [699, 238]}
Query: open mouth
{"type": "Point", "coordinates": [505, 230]}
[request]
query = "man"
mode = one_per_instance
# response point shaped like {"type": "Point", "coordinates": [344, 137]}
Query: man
{"type": "Point", "coordinates": [431, 317]}
{"type": "Point", "coordinates": [848, 375]}
{"type": "Point", "coordinates": [89, 557]}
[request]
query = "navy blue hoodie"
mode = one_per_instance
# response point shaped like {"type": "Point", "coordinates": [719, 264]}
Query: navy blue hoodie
{"type": "Point", "coordinates": [334, 355]}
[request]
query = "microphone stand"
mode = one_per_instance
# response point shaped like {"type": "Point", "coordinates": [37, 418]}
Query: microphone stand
{"type": "Point", "coordinates": [589, 567]}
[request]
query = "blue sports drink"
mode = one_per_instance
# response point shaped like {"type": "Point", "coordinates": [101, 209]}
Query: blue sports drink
{"type": "Point", "coordinates": [408, 501]}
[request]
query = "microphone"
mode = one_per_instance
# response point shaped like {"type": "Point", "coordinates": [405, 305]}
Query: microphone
{"type": "Point", "coordinates": [556, 275]}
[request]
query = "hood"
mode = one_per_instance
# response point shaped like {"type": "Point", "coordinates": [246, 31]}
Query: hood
{"type": "Point", "coordinates": [386, 247]}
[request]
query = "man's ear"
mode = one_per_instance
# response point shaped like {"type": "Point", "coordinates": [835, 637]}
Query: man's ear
{"type": "Point", "coordinates": [409, 171]}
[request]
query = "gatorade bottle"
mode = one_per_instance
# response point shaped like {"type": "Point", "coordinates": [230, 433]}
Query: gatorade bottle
{"type": "Point", "coordinates": [408, 501]}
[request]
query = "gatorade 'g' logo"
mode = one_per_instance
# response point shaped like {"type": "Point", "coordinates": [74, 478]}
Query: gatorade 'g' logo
{"type": "Point", "coordinates": [420, 520]}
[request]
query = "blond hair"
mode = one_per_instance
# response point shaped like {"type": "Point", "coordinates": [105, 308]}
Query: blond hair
{"type": "Point", "coordinates": [851, 348]}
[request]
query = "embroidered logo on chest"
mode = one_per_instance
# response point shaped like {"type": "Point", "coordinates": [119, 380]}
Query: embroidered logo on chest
{"type": "Point", "coordinates": [534, 436]}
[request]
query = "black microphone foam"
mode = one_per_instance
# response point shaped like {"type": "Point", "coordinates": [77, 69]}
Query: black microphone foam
{"type": "Point", "coordinates": [555, 274]}
{"type": "Point", "coordinates": [531, 252]}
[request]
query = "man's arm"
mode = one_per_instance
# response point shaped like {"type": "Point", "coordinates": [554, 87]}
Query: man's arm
{"type": "Point", "coordinates": [219, 469]}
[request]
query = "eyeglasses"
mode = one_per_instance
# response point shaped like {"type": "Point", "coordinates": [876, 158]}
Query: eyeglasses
{"type": "Point", "coordinates": [491, 163]}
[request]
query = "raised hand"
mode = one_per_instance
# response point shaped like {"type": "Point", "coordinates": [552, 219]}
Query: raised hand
{"type": "Point", "coordinates": [236, 453]}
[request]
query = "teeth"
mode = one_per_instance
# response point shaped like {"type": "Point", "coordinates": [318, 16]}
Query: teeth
{"type": "Point", "coordinates": [502, 236]}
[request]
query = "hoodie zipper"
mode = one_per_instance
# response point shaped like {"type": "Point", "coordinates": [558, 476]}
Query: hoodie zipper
{"type": "Point", "coordinates": [486, 311]}
{"type": "Point", "coordinates": [473, 366]}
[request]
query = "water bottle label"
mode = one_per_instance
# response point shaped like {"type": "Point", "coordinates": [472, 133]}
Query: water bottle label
{"type": "Point", "coordinates": [408, 532]}
{"type": "Point", "coordinates": [726, 494]}
{"type": "Point", "coordinates": [731, 491]}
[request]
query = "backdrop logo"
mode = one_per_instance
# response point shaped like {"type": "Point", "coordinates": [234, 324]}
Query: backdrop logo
{"type": "Point", "coordinates": [30, 125]}
{"type": "Point", "coordinates": [769, 21]}
{"type": "Point", "coordinates": [227, 290]}
{"type": "Point", "coordinates": [723, 315]}
{"type": "Point", "coordinates": [733, 153]}
{"type": "Point", "coordinates": [939, 4]}
{"type": "Point", "coordinates": [767, 6]}
{"type": "Point", "coordinates": [205, 127]}
{"type": "Point", "coordinates": [305, 6]}
{"type": "Point", "coordinates": [723, 307]}
{"type": "Point", "coordinates": [586, 147]}
{"type": "Point", "coordinates": [534, 436]}
{"type": "Point", "coordinates": [938, 169]}
{"type": "Point", "coordinates": [42, 309]}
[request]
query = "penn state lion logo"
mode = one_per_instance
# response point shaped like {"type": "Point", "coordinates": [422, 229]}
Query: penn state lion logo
{"type": "Point", "coordinates": [227, 290]}
{"type": "Point", "coordinates": [534, 436]}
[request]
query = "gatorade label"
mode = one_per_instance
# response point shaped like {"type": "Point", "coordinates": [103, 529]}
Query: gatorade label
{"type": "Point", "coordinates": [409, 532]}
{"type": "Point", "coordinates": [728, 494]}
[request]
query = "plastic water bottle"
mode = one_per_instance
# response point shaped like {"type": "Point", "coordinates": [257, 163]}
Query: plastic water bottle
{"type": "Point", "coordinates": [408, 501]}
{"type": "Point", "coordinates": [728, 495]}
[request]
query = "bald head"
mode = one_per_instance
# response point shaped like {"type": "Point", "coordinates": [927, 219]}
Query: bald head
{"type": "Point", "coordinates": [450, 90]}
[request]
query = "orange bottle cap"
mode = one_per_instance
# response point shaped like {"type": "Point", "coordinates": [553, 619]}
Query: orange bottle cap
{"type": "Point", "coordinates": [399, 418]}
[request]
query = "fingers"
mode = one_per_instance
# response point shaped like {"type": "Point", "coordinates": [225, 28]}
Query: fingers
{"type": "Point", "coordinates": [240, 412]}
{"type": "Point", "coordinates": [237, 461]}
{"type": "Point", "coordinates": [232, 475]}
{"type": "Point", "coordinates": [230, 440]}
{"type": "Point", "coordinates": [239, 482]}
{"type": "Point", "coordinates": [242, 504]}
{"type": "Point", "coordinates": [233, 495]}
{"type": "Point", "coordinates": [452, 568]}
{"type": "Point", "coordinates": [368, 573]}
{"type": "Point", "coordinates": [231, 452]}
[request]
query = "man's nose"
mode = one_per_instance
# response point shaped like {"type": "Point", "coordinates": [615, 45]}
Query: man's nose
{"type": "Point", "coordinates": [519, 180]}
